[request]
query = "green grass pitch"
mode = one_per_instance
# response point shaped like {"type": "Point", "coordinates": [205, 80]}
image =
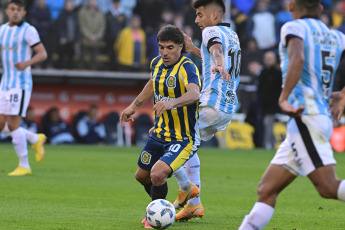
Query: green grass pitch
{"type": "Point", "coordinates": [93, 187]}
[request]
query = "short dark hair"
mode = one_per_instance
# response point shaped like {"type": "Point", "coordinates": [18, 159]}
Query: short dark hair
{"type": "Point", "coordinates": [172, 33]}
{"type": "Point", "coordinates": [199, 3]}
{"type": "Point", "coordinates": [309, 5]}
{"type": "Point", "coordinates": [17, 2]}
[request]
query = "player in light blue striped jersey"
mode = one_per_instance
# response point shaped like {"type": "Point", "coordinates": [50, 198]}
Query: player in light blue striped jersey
{"type": "Point", "coordinates": [17, 40]}
{"type": "Point", "coordinates": [221, 59]}
{"type": "Point", "coordinates": [310, 53]}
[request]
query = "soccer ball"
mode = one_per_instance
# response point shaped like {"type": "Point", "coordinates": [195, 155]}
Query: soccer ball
{"type": "Point", "coordinates": [160, 214]}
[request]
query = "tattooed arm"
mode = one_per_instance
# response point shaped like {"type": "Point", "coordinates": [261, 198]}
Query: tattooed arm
{"type": "Point", "coordinates": [216, 51]}
{"type": "Point", "coordinates": [144, 95]}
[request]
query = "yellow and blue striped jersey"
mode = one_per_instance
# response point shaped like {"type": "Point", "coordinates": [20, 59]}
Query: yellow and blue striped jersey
{"type": "Point", "coordinates": [169, 82]}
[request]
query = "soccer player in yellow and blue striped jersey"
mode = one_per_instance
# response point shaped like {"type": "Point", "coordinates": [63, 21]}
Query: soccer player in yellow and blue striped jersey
{"type": "Point", "coordinates": [169, 83]}
{"type": "Point", "coordinates": [175, 86]}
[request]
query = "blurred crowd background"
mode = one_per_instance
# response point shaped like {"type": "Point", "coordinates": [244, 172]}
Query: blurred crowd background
{"type": "Point", "coordinates": [120, 36]}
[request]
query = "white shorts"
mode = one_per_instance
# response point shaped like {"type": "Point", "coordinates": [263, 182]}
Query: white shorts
{"type": "Point", "coordinates": [14, 102]}
{"type": "Point", "coordinates": [307, 145]}
{"type": "Point", "coordinates": [212, 121]}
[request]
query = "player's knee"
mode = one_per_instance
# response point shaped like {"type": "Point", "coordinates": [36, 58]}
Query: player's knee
{"type": "Point", "coordinates": [157, 178]}
{"type": "Point", "coordinates": [328, 191]}
{"type": "Point", "coordinates": [142, 178]}
{"type": "Point", "coordinates": [12, 127]}
{"type": "Point", "coordinates": [260, 189]}
{"type": "Point", "coordinates": [265, 190]}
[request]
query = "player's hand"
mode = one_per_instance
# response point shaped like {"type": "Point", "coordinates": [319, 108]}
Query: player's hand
{"type": "Point", "coordinates": [21, 66]}
{"type": "Point", "coordinates": [188, 42]}
{"type": "Point", "coordinates": [151, 130]}
{"type": "Point", "coordinates": [126, 115]}
{"type": "Point", "coordinates": [162, 106]}
{"type": "Point", "coordinates": [288, 109]}
{"type": "Point", "coordinates": [337, 104]}
{"type": "Point", "coordinates": [222, 71]}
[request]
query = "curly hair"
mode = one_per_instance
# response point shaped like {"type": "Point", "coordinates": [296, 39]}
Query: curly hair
{"type": "Point", "coordinates": [173, 34]}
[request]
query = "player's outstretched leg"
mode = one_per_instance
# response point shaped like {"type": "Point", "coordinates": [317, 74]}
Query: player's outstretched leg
{"type": "Point", "coordinates": [184, 196]}
{"type": "Point", "coordinates": [189, 182]}
{"type": "Point", "coordinates": [274, 180]}
{"type": "Point", "coordinates": [194, 207]}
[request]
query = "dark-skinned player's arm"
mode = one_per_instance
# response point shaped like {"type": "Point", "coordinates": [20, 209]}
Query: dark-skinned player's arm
{"type": "Point", "coordinates": [295, 49]}
{"type": "Point", "coordinates": [337, 103]}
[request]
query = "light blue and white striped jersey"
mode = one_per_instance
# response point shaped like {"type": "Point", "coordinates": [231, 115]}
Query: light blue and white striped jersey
{"type": "Point", "coordinates": [216, 92]}
{"type": "Point", "coordinates": [323, 49]}
{"type": "Point", "coordinates": [16, 46]}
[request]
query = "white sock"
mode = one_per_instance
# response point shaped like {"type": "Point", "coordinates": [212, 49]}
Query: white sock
{"type": "Point", "coordinates": [31, 137]}
{"type": "Point", "coordinates": [182, 179]}
{"type": "Point", "coordinates": [192, 168]}
{"type": "Point", "coordinates": [6, 130]}
{"type": "Point", "coordinates": [341, 191]}
{"type": "Point", "coordinates": [258, 217]}
{"type": "Point", "coordinates": [20, 146]}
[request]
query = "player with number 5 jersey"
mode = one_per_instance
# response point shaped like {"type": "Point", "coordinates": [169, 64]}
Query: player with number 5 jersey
{"type": "Point", "coordinates": [310, 53]}
{"type": "Point", "coordinates": [323, 51]}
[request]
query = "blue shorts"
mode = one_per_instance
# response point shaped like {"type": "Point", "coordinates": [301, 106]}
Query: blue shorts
{"type": "Point", "coordinates": [174, 153]}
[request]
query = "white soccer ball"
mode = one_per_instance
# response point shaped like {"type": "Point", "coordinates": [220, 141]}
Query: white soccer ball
{"type": "Point", "coordinates": [160, 214]}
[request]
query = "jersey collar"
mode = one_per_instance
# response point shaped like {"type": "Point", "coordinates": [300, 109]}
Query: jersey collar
{"type": "Point", "coordinates": [310, 16]}
{"type": "Point", "coordinates": [19, 24]}
{"type": "Point", "coordinates": [224, 24]}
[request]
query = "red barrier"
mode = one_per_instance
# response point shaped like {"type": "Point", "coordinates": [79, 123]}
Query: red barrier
{"type": "Point", "coordinates": [71, 99]}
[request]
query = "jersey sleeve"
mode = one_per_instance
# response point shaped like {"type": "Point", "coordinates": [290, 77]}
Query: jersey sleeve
{"type": "Point", "coordinates": [32, 37]}
{"type": "Point", "coordinates": [153, 65]}
{"type": "Point", "coordinates": [190, 74]}
{"type": "Point", "coordinates": [291, 28]}
{"type": "Point", "coordinates": [211, 36]}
